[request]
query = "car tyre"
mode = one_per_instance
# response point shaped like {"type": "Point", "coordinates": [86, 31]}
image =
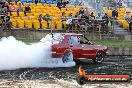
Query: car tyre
{"type": "Point", "coordinates": [99, 58]}
{"type": "Point", "coordinates": [68, 56]}
{"type": "Point", "coordinates": [81, 80]}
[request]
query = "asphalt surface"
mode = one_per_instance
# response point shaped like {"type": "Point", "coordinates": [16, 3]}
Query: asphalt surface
{"type": "Point", "coordinates": [64, 77]}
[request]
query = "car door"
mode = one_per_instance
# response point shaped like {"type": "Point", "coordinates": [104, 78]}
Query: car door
{"type": "Point", "coordinates": [87, 49]}
{"type": "Point", "coordinates": [74, 46]}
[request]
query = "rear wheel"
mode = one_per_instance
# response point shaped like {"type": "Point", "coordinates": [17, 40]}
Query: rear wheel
{"type": "Point", "coordinates": [99, 58]}
{"type": "Point", "coordinates": [68, 56]}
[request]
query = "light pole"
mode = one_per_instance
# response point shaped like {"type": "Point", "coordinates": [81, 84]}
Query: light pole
{"type": "Point", "coordinates": [51, 25]}
{"type": "Point", "coordinates": [5, 22]}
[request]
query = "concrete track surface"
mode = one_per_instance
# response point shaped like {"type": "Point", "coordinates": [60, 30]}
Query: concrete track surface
{"type": "Point", "coordinates": [66, 77]}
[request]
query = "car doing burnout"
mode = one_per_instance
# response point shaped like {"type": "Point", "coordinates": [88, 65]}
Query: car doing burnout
{"type": "Point", "coordinates": [69, 46]}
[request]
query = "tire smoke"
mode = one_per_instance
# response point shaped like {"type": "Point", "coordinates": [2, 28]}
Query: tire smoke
{"type": "Point", "coordinates": [16, 54]}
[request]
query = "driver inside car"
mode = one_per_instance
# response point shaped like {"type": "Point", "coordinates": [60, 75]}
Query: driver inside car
{"type": "Point", "coordinates": [82, 41]}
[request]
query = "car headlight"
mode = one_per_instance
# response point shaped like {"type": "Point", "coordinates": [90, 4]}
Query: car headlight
{"type": "Point", "coordinates": [53, 52]}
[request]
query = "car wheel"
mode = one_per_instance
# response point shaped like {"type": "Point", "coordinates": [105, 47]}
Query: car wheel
{"type": "Point", "coordinates": [99, 58]}
{"type": "Point", "coordinates": [68, 56]}
{"type": "Point", "coordinates": [81, 80]}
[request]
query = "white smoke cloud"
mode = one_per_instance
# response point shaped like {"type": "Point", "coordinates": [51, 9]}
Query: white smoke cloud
{"type": "Point", "coordinates": [16, 54]}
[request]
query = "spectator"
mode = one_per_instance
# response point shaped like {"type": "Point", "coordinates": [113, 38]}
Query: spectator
{"type": "Point", "coordinates": [70, 15]}
{"type": "Point", "coordinates": [69, 22]}
{"type": "Point", "coordinates": [111, 21]}
{"type": "Point", "coordinates": [82, 16]}
{"type": "Point", "coordinates": [127, 16]}
{"type": "Point", "coordinates": [63, 18]}
{"type": "Point", "coordinates": [36, 2]}
{"type": "Point", "coordinates": [88, 22]}
{"type": "Point", "coordinates": [64, 3]}
{"type": "Point", "coordinates": [27, 10]}
{"type": "Point", "coordinates": [92, 15]}
{"type": "Point", "coordinates": [131, 18]}
{"type": "Point", "coordinates": [81, 11]}
{"type": "Point", "coordinates": [130, 25]}
{"type": "Point", "coordinates": [105, 23]}
{"type": "Point", "coordinates": [79, 16]}
{"type": "Point", "coordinates": [5, 7]}
{"type": "Point", "coordinates": [59, 4]}
{"type": "Point", "coordinates": [6, 17]}
{"type": "Point", "coordinates": [86, 17]}
{"type": "Point", "coordinates": [124, 3]}
{"type": "Point", "coordinates": [106, 18]}
{"type": "Point", "coordinates": [1, 21]}
{"type": "Point", "coordinates": [76, 2]}
{"type": "Point", "coordinates": [97, 4]}
{"type": "Point", "coordinates": [6, 21]}
{"type": "Point", "coordinates": [101, 5]}
{"type": "Point", "coordinates": [112, 3]}
{"type": "Point", "coordinates": [81, 3]}
{"type": "Point", "coordinates": [115, 14]}
{"type": "Point", "coordinates": [47, 18]}
{"type": "Point", "coordinates": [87, 13]}
{"type": "Point", "coordinates": [75, 22]}
{"type": "Point", "coordinates": [86, 10]}
{"type": "Point", "coordinates": [19, 9]}
{"type": "Point", "coordinates": [40, 17]}
{"type": "Point", "coordinates": [119, 3]}
{"type": "Point", "coordinates": [98, 16]}
{"type": "Point", "coordinates": [12, 8]}
{"type": "Point", "coordinates": [3, 11]}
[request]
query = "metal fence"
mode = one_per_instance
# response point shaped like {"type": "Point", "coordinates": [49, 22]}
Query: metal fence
{"type": "Point", "coordinates": [95, 29]}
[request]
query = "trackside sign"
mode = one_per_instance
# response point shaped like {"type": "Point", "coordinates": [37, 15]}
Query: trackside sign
{"type": "Point", "coordinates": [83, 78]}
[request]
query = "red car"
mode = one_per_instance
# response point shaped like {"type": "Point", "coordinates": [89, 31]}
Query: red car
{"type": "Point", "coordinates": [69, 46]}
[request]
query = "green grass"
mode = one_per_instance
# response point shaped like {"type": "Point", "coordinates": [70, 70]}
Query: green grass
{"type": "Point", "coordinates": [26, 41]}
{"type": "Point", "coordinates": [113, 43]}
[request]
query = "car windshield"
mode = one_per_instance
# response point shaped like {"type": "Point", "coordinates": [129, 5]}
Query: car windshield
{"type": "Point", "coordinates": [52, 37]}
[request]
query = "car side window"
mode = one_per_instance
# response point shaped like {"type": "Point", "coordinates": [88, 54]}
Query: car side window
{"type": "Point", "coordinates": [73, 40]}
{"type": "Point", "coordinates": [83, 40]}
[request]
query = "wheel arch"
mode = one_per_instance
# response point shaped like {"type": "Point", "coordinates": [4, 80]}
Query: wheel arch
{"type": "Point", "coordinates": [67, 50]}
{"type": "Point", "coordinates": [99, 60]}
{"type": "Point", "coordinates": [100, 51]}
{"type": "Point", "coordinates": [66, 58]}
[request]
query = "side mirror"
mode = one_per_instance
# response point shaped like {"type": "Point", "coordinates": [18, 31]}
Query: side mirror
{"type": "Point", "coordinates": [92, 43]}
{"type": "Point", "coordinates": [86, 43]}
